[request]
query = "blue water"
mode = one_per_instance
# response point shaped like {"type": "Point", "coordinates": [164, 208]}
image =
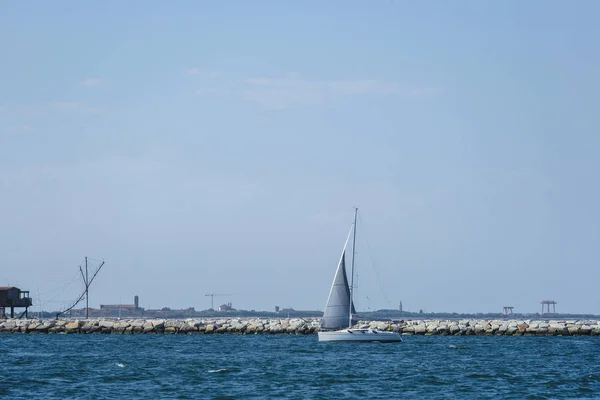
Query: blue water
{"type": "Point", "coordinates": [297, 367]}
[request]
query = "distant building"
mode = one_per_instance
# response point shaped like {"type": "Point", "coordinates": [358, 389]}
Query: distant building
{"type": "Point", "coordinates": [13, 297]}
{"type": "Point", "coordinates": [167, 312]}
{"type": "Point", "coordinates": [226, 307]}
{"type": "Point", "coordinates": [122, 309]}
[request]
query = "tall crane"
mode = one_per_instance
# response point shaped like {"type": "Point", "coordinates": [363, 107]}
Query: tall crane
{"type": "Point", "coordinates": [212, 298]}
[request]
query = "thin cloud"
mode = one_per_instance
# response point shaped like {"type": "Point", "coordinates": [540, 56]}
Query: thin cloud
{"type": "Point", "coordinates": [33, 111]}
{"type": "Point", "coordinates": [426, 91]}
{"type": "Point", "coordinates": [211, 90]}
{"type": "Point", "coordinates": [278, 93]}
{"type": "Point", "coordinates": [281, 93]}
{"type": "Point", "coordinates": [200, 71]}
{"type": "Point", "coordinates": [64, 106]}
{"type": "Point", "coordinates": [17, 130]}
{"type": "Point", "coordinates": [144, 177]}
{"type": "Point", "coordinates": [363, 87]}
{"type": "Point", "coordinates": [91, 82]}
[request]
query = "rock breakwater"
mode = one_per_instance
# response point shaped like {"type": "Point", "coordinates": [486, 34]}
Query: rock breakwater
{"type": "Point", "coordinates": [300, 326]}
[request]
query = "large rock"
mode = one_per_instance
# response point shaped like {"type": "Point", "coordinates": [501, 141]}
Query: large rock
{"type": "Point", "coordinates": [9, 326]}
{"type": "Point", "coordinates": [257, 326]}
{"type": "Point", "coordinates": [137, 323]}
{"type": "Point", "coordinates": [31, 327]}
{"type": "Point", "coordinates": [585, 330]}
{"type": "Point", "coordinates": [122, 325]}
{"type": "Point", "coordinates": [408, 329]}
{"type": "Point", "coordinates": [45, 326]}
{"type": "Point", "coordinates": [237, 326]}
{"type": "Point", "coordinates": [174, 323]}
{"type": "Point", "coordinates": [73, 326]}
{"type": "Point", "coordinates": [420, 329]}
{"type": "Point", "coordinates": [573, 329]}
{"type": "Point", "coordinates": [187, 328]}
{"type": "Point", "coordinates": [511, 330]}
{"type": "Point", "coordinates": [106, 324]}
{"type": "Point", "coordinates": [158, 324]}
{"type": "Point", "coordinates": [91, 326]}
{"type": "Point", "coordinates": [148, 327]}
{"type": "Point", "coordinates": [442, 330]}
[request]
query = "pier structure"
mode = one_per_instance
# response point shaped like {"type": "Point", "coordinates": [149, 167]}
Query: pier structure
{"type": "Point", "coordinates": [507, 310]}
{"type": "Point", "coordinates": [546, 304]}
{"type": "Point", "coordinates": [13, 297]}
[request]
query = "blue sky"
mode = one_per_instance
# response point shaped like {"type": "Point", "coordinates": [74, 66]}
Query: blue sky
{"type": "Point", "coordinates": [220, 147]}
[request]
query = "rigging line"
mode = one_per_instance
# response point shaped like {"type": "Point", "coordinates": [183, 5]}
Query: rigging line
{"type": "Point", "coordinates": [87, 283]}
{"type": "Point", "coordinates": [387, 301]}
{"type": "Point", "coordinates": [72, 305]}
{"type": "Point", "coordinates": [52, 300]}
{"type": "Point", "coordinates": [65, 287]}
{"type": "Point", "coordinates": [75, 277]}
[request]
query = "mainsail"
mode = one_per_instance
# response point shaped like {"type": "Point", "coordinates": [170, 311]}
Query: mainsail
{"type": "Point", "coordinates": [337, 324]}
{"type": "Point", "coordinates": [338, 304]}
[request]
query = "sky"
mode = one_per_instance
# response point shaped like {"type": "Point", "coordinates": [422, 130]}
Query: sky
{"type": "Point", "coordinates": [219, 147]}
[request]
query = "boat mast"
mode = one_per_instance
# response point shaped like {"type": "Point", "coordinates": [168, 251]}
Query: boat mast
{"type": "Point", "coordinates": [352, 269]}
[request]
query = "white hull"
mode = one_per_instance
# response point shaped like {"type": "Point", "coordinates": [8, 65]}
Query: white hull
{"type": "Point", "coordinates": [359, 335]}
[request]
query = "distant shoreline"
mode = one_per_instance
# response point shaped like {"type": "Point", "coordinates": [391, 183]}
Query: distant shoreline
{"type": "Point", "coordinates": [379, 315]}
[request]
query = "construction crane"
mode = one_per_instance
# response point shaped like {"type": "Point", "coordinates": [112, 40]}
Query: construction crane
{"type": "Point", "coordinates": [212, 298]}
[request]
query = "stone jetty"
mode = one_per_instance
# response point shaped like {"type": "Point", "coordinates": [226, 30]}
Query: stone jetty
{"type": "Point", "coordinates": [300, 326]}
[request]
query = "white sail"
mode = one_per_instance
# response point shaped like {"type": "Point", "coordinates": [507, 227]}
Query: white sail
{"type": "Point", "coordinates": [336, 315]}
{"type": "Point", "coordinates": [336, 321]}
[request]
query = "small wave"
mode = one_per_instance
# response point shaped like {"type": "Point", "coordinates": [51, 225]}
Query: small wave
{"type": "Point", "coordinates": [120, 365]}
{"type": "Point", "coordinates": [455, 346]}
{"type": "Point", "coordinates": [219, 371]}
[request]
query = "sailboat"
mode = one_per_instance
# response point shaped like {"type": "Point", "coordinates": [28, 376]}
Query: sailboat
{"type": "Point", "coordinates": [337, 324]}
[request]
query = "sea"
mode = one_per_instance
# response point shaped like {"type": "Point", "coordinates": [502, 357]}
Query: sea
{"type": "Point", "coordinates": [296, 367]}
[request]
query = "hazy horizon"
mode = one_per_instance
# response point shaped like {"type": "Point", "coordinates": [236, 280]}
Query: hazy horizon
{"type": "Point", "coordinates": [209, 148]}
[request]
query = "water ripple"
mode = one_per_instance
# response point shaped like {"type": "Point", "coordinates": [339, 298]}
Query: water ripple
{"type": "Point", "coordinates": [297, 367]}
